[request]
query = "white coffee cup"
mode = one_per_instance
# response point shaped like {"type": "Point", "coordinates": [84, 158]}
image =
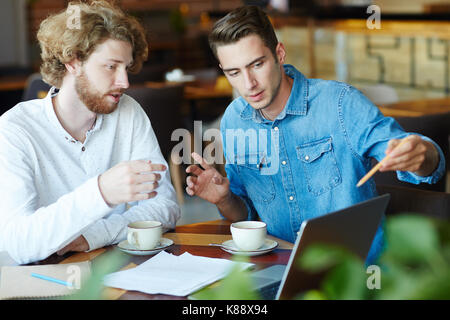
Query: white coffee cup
{"type": "Point", "coordinates": [249, 235]}
{"type": "Point", "coordinates": [144, 235]}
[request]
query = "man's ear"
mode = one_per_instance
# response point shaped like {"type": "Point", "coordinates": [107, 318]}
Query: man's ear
{"type": "Point", "coordinates": [74, 67]}
{"type": "Point", "coordinates": [281, 53]}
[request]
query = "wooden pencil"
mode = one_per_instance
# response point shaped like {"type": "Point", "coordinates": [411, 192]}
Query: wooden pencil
{"type": "Point", "coordinates": [378, 166]}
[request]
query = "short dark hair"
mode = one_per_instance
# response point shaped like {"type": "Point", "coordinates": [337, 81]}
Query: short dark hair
{"type": "Point", "coordinates": [241, 22]}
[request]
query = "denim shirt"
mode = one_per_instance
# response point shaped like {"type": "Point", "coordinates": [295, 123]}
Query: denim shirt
{"type": "Point", "coordinates": [307, 161]}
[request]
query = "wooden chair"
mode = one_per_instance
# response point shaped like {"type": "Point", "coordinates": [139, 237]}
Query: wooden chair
{"type": "Point", "coordinates": [410, 200]}
{"type": "Point", "coordinates": [36, 88]}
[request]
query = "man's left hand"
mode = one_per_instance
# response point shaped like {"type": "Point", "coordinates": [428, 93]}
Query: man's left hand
{"type": "Point", "coordinates": [415, 155]}
{"type": "Point", "coordinates": [79, 244]}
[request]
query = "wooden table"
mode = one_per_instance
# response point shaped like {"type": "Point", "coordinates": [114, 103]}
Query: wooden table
{"type": "Point", "coordinates": [416, 108]}
{"type": "Point", "coordinates": [193, 238]}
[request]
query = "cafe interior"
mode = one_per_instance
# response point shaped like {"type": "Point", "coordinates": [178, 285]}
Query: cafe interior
{"type": "Point", "coordinates": [397, 53]}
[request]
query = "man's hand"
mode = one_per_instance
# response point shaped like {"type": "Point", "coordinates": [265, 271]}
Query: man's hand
{"type": "Point", "coordinates": [79, 244]}
{"type": "Point", "coordinates": [415, 155]}
{"type": "Point", "coordinates": [130, 181]}
{"type": "Point", "coordinates": [207, 183]}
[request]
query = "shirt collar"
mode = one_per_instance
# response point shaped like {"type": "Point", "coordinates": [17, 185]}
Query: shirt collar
{"type": "Point", "coordinates": [51, 115]}
{"type": "Point", "coordinates": [50, 111]}
{"type": "Point", "coordinates": [297, 103]}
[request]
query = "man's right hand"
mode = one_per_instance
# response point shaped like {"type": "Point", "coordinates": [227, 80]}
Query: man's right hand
{"type": "Point", "coordinates": [207, 183]}
{"type": "Point", "coordinates": [130, 181]}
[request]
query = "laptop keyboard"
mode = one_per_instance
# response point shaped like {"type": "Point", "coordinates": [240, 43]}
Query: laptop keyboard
{"type": "Point", "coordinates": [269, 292]}
{"type": "Point", "coordinates": [267, 281]}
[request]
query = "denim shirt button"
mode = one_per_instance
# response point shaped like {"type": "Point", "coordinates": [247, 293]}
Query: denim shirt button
{"type": "Point", "coordinates": [283, 163]}
{"type": "Point", "coordinates": [291, 198]}
{"type": "Point", "coordinates": [276, 128]}
{"type": "Point", "coordinates": [306, 158]}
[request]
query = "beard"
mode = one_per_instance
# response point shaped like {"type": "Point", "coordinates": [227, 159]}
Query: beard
{"type": "Point", "coordinates": [93, 99]}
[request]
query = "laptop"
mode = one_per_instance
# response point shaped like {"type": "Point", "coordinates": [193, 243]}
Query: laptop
{"type": "Point", "coordinates": [353, 228]}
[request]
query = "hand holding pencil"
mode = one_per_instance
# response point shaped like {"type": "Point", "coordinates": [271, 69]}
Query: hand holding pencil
{"type": "Point", "coordinates": [408, 154]}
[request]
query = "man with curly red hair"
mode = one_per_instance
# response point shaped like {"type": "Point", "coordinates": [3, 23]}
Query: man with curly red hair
{"type": "Point", "coordinates": [80, 164]}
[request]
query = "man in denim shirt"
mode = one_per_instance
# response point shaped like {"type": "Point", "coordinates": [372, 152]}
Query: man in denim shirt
{"type": "Point", "coordinates": [295, 148]}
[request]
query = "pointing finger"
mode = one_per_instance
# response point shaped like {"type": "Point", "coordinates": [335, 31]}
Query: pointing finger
{"type": "Point", "coordinates": [200, 160]}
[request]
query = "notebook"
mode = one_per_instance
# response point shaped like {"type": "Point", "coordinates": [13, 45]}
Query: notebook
{"type": "Point", "coordinates": [353, 228]}
{"type": "Point", "coordinates": [17, 282]}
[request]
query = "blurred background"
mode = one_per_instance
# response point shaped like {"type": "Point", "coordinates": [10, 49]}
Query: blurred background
{"type": "Point", "coordinates": [397, 52]}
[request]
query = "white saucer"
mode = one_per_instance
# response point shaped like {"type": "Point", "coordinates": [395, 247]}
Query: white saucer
{"type": "Point", "coordinates": [268, 246]}
{"type": "Point", "coordinates": [128, 248]}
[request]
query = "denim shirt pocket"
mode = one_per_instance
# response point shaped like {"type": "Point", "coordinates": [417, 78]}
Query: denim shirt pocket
{"type": "Point", "coordinates": [319, 165]}
{"type": "Point", "coordinates": [259, 186]}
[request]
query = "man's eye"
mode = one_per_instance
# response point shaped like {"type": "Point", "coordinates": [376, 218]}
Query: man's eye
{"type": "Point", "coordinates": [233, 74]}
{"type": "Point", "coordinates": [110, 67]}
{"type": "Point", "coordinates": [258, 64]}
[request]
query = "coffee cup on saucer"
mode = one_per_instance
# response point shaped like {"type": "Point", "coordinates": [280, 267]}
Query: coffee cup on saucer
{"type": "Point", "coordinates": [144, 235]}
{"type": "Point", "coordinates": [249, 235]}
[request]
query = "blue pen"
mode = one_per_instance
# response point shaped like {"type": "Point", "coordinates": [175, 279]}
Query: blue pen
{"type": "Point", "coordinates": [40, 276]}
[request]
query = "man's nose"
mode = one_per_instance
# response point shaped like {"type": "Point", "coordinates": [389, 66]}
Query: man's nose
{"type": "Point", "coordinates": [250, 81]}
{"type": "Point", "coordinates": [122, 79]}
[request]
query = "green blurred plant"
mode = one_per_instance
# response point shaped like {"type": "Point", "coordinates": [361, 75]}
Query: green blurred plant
{"type": "Point", "coordinates": [415, 264]}
{"type": "Point", "coordinates": [92, 288]}
{"type": "Point", "coordinates": [345, 276]}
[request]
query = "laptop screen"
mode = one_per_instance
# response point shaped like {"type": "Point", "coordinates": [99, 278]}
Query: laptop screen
{"type": "Point", "coordinates": [353, 228]}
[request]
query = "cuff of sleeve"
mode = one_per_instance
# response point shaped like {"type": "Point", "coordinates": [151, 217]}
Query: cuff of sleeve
{"type": "Point", "coordinates": [95, 233]}
{"type": "Point", "coordinates": [95, 237]}
{"type": "Point", "coordinates": [251, 212]}
{"type": "Point", "coordinates": [431, 179]}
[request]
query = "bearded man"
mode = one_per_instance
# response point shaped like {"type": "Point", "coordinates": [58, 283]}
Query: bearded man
{"type": "Point", "coordinates": [82, 163]}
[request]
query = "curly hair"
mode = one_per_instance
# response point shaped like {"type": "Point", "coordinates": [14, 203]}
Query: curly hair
{"type": "Point", "coordinates": [98, 21]}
